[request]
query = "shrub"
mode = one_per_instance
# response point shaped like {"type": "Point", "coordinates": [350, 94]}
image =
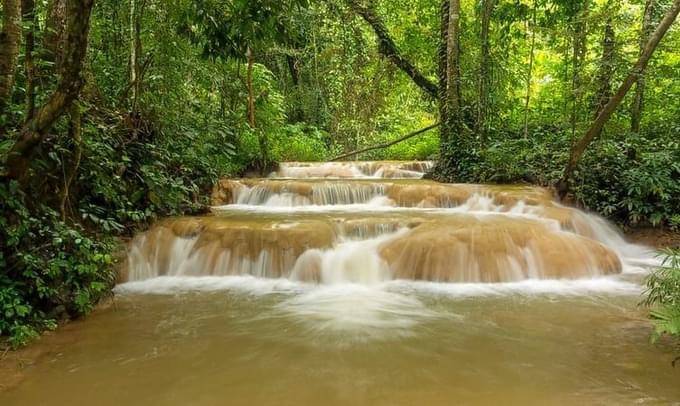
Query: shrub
{"type": "Point", "coordinates": [298, 142]}
{"type": "Point", "coordinates": [52, 271]}
{"type": "Point", "coordinates": [663, 294]}
{"type": "Point", "coordinates": [627, 179]}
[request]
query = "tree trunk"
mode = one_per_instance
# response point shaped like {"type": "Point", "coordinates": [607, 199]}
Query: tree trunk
{"type": "Point", "coordinates": [69, 86]}
{"type": "Point", "coordinates": [298, 113]}
{"type": "Point", "coordinates": [453, 65]}
{"type": "Point", "coordinates": [596, 128]}
{"type": "Point", "coordinates": [53, 39]}
{"type": "Point", "coordinates": [442, 70]}
{"type": "Point", "coordinates": [136, 12]}
{"type": "Point", "coordinates": [484, 69]}
{"type": "Point", "coordinates": [578, 60]}
{"type": "Point", "coordinates": [10, 39]}
{"type": "Point", "coordinates": [606, 70]}
{"type": "Point", "coordinates": [250, 56]}
{"type": "Point", "coordinates": [637, 105]}
{"type": "Point", "coordinates": [28, 7]}
{"type": "Point", "coordinates": [388, 48]}
{"type": "Point", "coordinates": [261, 136]}
{"type": "Point", "coordinates": [293, 69]}
{"type": "Point", "coordinates": [530, 72]}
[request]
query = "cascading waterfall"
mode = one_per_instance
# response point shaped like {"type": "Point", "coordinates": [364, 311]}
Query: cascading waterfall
{"type": "Point", "coordinates": [362, 169]}
{"type": "Point", "coordinates": [372, 222]}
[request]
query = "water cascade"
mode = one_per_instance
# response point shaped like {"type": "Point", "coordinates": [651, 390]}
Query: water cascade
{"type": "Point", "coordinates": [372, 222]}
{"type": "Point", "coordinates": [359, 283]}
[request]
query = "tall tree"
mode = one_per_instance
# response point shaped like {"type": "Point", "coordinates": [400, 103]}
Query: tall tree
{"type": "Point", "coordinates": [10, 39]}
{"type": "Point", "coordinates": [645, 31]}
{"type": "Point", "coordinates": [579, 52]}
{"type": "Point", "coordinates": [448, 91]}
{"type": "Point", "coordinates": [606, 69]}
{"type": "Point", "coordinates": [77, 16]}
{"type": "Point", "coordinates": [596, 127]}
{"type": "Point", "coordinates": [530, 69]}
{"type": "Point", "coordinates": [28, 10]}
{"type": "Point", "coordinates": [53, 37]}
{"type": "Point", "coordinates": [484, 80]}
{"type": "Point", "coordinates": [136, 14]}
{"type": "Point", "coordinates": [240, 30]}
{"type": "Point", "coordinates": [442, 63]}
{"type": "Point", "coordinates": [453, 91]}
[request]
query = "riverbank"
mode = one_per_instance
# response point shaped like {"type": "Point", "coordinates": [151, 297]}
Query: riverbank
{"type": "Point", "coordinates": [654, 237]}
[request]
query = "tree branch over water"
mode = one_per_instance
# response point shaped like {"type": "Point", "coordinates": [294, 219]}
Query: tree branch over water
{"type": "Point", "coordinates": [387, 144]}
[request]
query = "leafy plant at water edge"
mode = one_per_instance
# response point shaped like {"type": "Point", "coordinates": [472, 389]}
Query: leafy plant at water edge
{"type": "Point", "coordinates": [51, 271]}
{"type": "Point", "coordinates": [663, 294]}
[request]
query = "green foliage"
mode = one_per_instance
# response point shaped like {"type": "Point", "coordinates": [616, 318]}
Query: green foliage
{"type": "Point", "coordinates": [228, 28]}
{"type": "Point", "coordinates": [422, 147]}
{"type": "Point", "coordinates": [663, 294]}
{"type": "Point", "coordinates": [628, 179]}
{"type": "Point", "coordinates": [297, 142]}
{"type": "Point", "coordinates": [51, 271]}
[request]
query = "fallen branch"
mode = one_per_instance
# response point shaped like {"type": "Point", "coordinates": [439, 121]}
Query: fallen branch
{"type": "Point", "coordinates": [387, 144]}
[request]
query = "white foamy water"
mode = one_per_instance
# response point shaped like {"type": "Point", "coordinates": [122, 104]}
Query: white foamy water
{"type": "Point", "coordinates": [343, 281]}
{"type": "Point", "coordinates": [170, 285]}
{"type": "Point", "coordinates": [356, 170]}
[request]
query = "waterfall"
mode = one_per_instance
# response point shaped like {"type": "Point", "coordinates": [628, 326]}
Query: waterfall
{"type": "Point", "coordinates": [372, 222]}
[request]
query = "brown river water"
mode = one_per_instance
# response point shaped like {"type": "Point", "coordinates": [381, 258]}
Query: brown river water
{"type": "Point", "coordinates": [360, 284]}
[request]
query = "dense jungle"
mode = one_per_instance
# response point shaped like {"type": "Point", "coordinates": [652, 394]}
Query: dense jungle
{"type": "Point", "coordinates": [116, 115]}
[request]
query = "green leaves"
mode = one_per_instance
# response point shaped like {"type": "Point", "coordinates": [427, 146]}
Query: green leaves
{"type": "Point", "coordinates": [226, 29]}
{"type": "Point", "coordinates": [47, 265]}
{"type": "Point", "coordinates": [663, 294]}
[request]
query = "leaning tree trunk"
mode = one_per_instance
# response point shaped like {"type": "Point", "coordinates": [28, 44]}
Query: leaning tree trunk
{"type": "Point", "coordinates": [10, 39]}
{"type": "Point", "coordinates": [70, 83]}
{"type": "Point", "coordinates": [595, 129]}
{"type": "Point", "coordinates": [389, 49]}
{"type": "Point", "coordinates": [606, 71]}
{"type": "Point", "coordinates": [484, 69]}
{"type": "Point", "coordinates": [636, 108]}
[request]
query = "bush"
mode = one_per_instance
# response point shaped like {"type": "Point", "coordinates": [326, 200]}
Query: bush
{"type": "Point", "coordinates": [663, 294]}
{"type": "Point", "coordinates": [51, 271]}
{"type": "Point", "coordinates": [129, 175]}
{"type": "Point", "coordinates": [298, 142]}
{"type": "Point", "coordinates": [628, 179]}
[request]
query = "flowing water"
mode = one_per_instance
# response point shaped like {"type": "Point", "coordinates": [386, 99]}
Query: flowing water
{"type": "Point", "coordinates": [361, 284]}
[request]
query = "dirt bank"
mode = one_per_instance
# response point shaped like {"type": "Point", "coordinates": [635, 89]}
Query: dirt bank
{"type": "Point", "coordinates": [654, 237]}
